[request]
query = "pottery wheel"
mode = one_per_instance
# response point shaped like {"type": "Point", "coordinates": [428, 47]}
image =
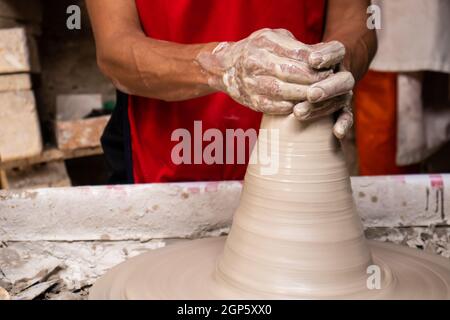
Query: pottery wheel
{"type": "Point", "coordinates": [295, 235]}
{"type": "Point", "coordinates": [186, 271]}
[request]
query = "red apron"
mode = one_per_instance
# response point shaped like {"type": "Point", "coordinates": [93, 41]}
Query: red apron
{"type": "Point", "coordinates": [152, 122]}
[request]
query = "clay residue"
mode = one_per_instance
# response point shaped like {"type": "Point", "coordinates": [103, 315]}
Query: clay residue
{"type": "Point", "coordinates": [296, 234]}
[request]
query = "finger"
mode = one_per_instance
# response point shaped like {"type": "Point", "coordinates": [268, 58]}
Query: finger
{"type": "Point", "coordinates": [283, 44]}
{"type": "Point", "coordinates": [276, 89]}
{"type": "Point", "coordinates": [343, 124]}
{"type": "Point", "coordinates": [335, 85]}
{"type": "Point", "coordinates": [303, 110]}
{"type": "Point", "coordinates": [308, 111]}
{"type": "Point", "coordinates": [329, 107]}
{"type": "Point", "coordinates": [326, 55]}
{"type": "Point", "coordinates": [266, 63]}
{"type": "Point", "coordinates": [269, 106]}
{"type": "Point", "coordinates": [284, 32]}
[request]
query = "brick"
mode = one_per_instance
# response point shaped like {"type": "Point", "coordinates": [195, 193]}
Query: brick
{"type": "Point", "coordinates": [14, 52]}
{"type": "Point", "coordinates": [76, 106]}
{"type": "Point", "coordinates": [25, 10]}
{"type": "Point", "coordinates": [72, 135]}
{"type": "Point", "coordinates": [20, 135]}
{"type": "Point", "coordinates": [15, 82]}
{"type": "Point", "coordinates": [18, 52]}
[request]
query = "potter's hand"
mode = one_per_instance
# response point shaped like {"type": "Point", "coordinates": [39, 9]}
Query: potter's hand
{"type": "Point", "coordinates": [328, 96]}
{"type": "Point", "coordinates": [270, 71]}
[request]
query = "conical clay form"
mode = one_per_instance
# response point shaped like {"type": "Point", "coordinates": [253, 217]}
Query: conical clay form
{"type": "Point", "coordinates": [295, 235]}
{"type": "Point", "coordinates": [296, 231]}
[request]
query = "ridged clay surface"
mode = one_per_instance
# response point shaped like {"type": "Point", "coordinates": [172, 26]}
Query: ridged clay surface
{"type": "Point", "coordinates": [295, 235]}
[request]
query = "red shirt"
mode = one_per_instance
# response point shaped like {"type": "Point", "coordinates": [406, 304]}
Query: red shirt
{"type": "Point", "coordinates": [152, 122]}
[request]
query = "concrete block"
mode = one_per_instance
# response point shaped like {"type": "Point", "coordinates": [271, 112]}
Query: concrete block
{"type": "Point", "coordinates": [396, 201]}
{"type": "Point", "coordinates": [189, 210]}
{"type": "Point", "coordinates": [25, 10]}
{"type": "Point", "coordinates": [116, 213]}
{"type": "Point", "coordinates": [72, 135]}
{"type": "Point", "coordinates": [15, 82]}
{"type": "Point", "coordinates": [76, 106]}
{"type": "Point", "coordinates": [20, 135]}
{"type": "Point", "coordinates": [14, 52]}
{"type": "Point", "coordinates": [18, 52]}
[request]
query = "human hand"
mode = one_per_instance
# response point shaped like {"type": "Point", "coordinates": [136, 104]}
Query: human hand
{"type": "Point", "coordinates": [271, 71]}
{"type": "Point", "coordinates": [327, 97]}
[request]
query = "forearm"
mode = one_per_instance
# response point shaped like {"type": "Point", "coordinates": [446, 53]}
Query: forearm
{"type": "Point", "coordinates": [155, 69]}
{"type": "Point", "coordinates": [347, 24]}
{"type": "Point", "coordinates": [140, 65]}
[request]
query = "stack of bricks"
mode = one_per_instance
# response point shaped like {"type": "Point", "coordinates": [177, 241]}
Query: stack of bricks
{"type": "Point", "coordinates": [20, 135]}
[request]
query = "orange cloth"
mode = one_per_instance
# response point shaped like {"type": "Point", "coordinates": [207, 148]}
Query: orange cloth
{"type": "Point", "coordinates": [376, 124]}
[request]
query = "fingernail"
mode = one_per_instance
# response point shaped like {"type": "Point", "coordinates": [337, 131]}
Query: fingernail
{"type": "Point", "coordinates": [341, 130]}
{"type": "Point", "coordinates": [301, 113]}
{"type": "Point", "coordinates": [315, 94]}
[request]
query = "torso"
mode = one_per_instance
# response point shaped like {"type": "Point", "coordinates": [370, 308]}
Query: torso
{"type": "Point", "coordinates": [152, 122]}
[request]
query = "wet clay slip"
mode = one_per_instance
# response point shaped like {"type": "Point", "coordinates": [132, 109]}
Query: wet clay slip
{"type": "Point", "coordinates": [295, 235]}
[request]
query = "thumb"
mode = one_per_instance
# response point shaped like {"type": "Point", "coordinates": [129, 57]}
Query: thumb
{"type": "Point", "coordinates": [326, 55]}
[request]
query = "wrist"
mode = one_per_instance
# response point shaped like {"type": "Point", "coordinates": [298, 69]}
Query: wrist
{"type": "Point", "coordinates": [358, 56]}
{"type": "Point", "coordinates": [211, 61]}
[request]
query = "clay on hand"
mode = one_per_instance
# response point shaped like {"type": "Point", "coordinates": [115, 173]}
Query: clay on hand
{"type": "Point", "coordinates": [327, 97]}
{"type": "Point", "coordinates": [272, 72]}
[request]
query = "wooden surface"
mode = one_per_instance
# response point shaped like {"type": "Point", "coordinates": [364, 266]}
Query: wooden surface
{"type": "Point", "coordinates": [52, 154]}
{"type": "Point", "coordinates": [43, 175]}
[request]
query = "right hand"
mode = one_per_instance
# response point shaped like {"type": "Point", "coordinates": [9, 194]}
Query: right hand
{"type": "Point", "coordinates": [270, 71]}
